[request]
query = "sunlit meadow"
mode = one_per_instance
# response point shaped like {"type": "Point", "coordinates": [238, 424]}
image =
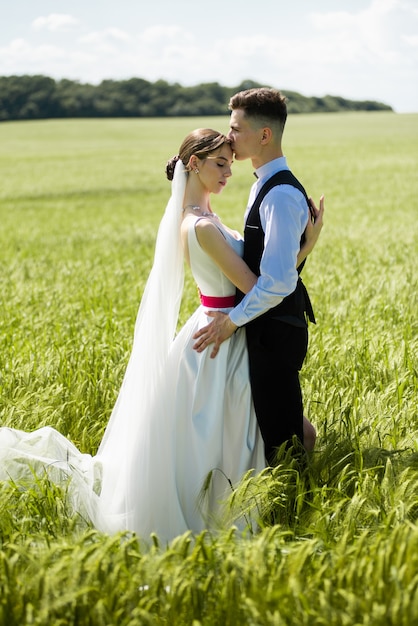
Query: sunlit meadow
{"type": "Point", "coordinates": [337, 540]}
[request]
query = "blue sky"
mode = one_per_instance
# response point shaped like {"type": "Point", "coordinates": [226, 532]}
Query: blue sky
{"type": "Point", "coordinates": [362, 49]}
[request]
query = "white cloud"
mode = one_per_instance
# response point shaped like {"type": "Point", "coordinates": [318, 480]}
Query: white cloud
{"type": "Point", "coordinates": [55, 22]}
{"type": "Point", "coordinates": [374, 34]}
{"type": "Point", "coordinates": [105, 36]}
{"type": "Point", "coordinates": [22, 57]}
{"type": "Point", "coordinates": [161, 34]}
{"type": "Point", "coordinates": [22, 51]}
{"type": "Point", "coordinates": [370, 53]}
{"type": "Point", "coordinates": [411, 40]}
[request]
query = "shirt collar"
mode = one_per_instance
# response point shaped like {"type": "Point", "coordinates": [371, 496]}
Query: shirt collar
{"type": "Point", "coordinates": [268, 169]}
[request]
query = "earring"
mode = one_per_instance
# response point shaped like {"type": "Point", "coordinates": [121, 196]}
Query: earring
{"type": "Point", "coordinates": [196, 170]}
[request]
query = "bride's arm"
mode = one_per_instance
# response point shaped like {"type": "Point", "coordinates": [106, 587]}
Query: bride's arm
{"type": "Point", "coordinates": [233, 266]}
{"type": "Point", "coordinates": [313, 229]}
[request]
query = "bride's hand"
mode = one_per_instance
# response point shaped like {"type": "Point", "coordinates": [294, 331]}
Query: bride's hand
{"type": "Point", "coordinates": [314, 226]}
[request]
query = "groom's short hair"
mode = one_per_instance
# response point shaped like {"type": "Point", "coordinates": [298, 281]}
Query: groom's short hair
{"type": "Point", "coordinates": [264, 105]}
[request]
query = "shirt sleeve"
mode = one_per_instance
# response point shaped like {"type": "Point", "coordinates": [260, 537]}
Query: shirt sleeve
{"type": "Point", "coordinates": [284, 215]}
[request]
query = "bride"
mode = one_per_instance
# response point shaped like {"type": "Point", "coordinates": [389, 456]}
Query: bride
{"type": "Point", "coordinates": [180, 417]}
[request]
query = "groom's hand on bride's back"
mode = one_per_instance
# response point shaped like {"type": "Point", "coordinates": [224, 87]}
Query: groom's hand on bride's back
{"type": "Point", "coordinates": [216, 332]}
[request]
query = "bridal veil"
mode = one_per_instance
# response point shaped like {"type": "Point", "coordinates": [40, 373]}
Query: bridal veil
{"type": "Point", "coordinates": [107, 486]}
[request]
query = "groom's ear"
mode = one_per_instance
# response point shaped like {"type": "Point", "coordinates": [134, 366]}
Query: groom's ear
{"type": "Point", "coordinates": [266, 135]}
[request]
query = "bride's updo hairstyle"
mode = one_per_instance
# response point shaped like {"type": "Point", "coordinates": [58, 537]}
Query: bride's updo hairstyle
{"type": "Point", "coordinates": [200, 142]}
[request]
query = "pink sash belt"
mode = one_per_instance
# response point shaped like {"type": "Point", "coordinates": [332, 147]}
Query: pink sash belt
{"type": "Point", "coordinates": [217, 303]}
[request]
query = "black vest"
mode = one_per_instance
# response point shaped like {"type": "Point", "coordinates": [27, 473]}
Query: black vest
{"type": "Point", "coordinates": [296, 306]}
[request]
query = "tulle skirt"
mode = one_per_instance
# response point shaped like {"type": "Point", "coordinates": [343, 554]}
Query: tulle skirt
{"type": "Point", "coordinates": [164, 466]}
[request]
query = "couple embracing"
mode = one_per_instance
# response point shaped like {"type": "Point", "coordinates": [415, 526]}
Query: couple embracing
{"type": "Point", "coordinates": [187, 409]}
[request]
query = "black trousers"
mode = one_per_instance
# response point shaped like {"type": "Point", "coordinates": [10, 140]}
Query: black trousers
{"type": "Point", "coordinates": [276, 352]}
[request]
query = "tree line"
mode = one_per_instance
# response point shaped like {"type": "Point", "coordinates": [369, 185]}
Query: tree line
{"type": "Point", "coordinates": [41, 97]}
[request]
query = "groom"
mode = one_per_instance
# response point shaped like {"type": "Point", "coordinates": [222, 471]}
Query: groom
{"type": "Point", "coordinates": [274, 311]}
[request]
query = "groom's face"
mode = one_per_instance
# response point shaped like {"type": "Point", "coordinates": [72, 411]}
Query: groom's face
{"type": "Point", "coordinates": [245, 138]}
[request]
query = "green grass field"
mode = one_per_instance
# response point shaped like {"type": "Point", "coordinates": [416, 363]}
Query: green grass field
{"type": "Point", "coordinates": [80, 202]}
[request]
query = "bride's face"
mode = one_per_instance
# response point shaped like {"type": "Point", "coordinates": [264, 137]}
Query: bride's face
{"type": "Point", "coordinates": [215, 169]}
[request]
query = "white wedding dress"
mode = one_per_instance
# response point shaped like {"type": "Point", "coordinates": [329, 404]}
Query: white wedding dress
{"type": "Point", "coordinates": [183, 431]}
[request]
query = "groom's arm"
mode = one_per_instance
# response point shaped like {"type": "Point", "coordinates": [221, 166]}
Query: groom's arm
{"type": "Point", "coordinates": [278, 269]}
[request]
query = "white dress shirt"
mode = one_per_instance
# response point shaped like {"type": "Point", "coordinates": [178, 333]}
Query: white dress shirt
{"type": "Point", "coordinates": [283, 215]}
